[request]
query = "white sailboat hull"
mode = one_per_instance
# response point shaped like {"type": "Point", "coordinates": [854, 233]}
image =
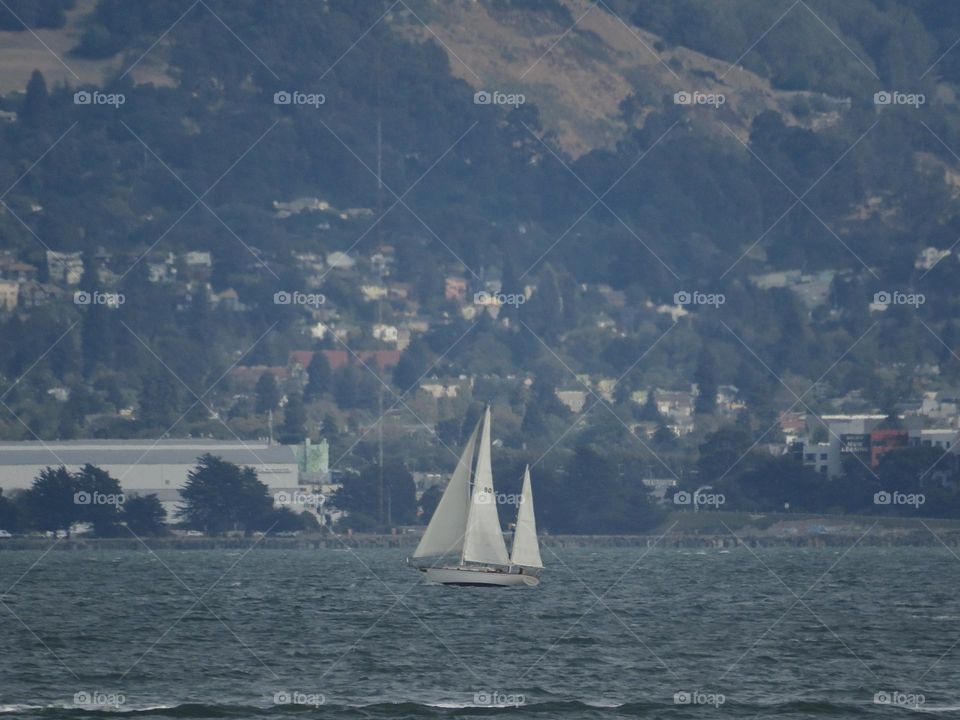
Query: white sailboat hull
{"type": "Point", "coordinates": [479, 577]}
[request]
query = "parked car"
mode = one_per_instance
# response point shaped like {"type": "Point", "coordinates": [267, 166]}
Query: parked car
{"type": "Point", "coordinates": [5, 534]}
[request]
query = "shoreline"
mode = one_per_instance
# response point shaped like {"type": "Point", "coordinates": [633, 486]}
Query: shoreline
{"type": "Point", "coordinates": [702, 541]}
{"type": "Point", "coordinates": [680, 530]}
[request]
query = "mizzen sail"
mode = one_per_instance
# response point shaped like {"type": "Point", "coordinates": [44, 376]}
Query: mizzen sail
{"type": "Point", "coordinates": [526, 549]}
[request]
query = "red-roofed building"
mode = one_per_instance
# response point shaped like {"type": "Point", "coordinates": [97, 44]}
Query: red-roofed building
{"type": "Point", "coordinates": [380, 360]}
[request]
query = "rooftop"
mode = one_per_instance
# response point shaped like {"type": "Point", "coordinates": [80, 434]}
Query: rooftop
{"type": "Point", "coordinates": [141, 452]}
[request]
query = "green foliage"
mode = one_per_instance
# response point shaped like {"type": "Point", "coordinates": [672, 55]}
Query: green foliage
{"type": "Point", "coordinates": [50, 500]}
{"type": "Point", "coordinates": [220, 496]}
{"type": "Point", "coordinates": [319, 377]}
{"type": "Point", "coordinates": [594, 494]}
{"type": "Point", "coordinates": [268, 393]}
{"type": "Point", "coordinates": [361, 497]}
{"type": "Point", "coordinates": [145, 516]}
{"type": "Point", "coordinates": [294, 420]}
{"type": "Point", "coordinates": [104, 500]}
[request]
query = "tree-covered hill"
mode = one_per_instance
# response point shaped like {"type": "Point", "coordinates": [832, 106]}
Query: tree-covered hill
{"type": "Point", "coordinates": [798, 169]}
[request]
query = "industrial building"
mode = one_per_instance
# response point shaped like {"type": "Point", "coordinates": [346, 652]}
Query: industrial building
{"type": "Point", "coordinates": [869, 437]}
{"type": "Point", "coordinates": [148, 466]}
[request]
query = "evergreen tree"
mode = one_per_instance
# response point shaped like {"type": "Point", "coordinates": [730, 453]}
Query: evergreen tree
{"type": "Point", "coordinates": [100, 500]}
{"type": "Point", "coordinates": [414, 362]}
{"type": "Point", "coordinates": [145, 515]}
{"type": "Point", "coordinates": [159, 400]}
{"type": "Point", "coordinates": [268, 393]}
{"type": "Point", "coordinates": [220, 496]}
{"type": "Point", "coordinates": [319, 377]}
{"type": "Point", "coordinates": [50, 501]}
{"type": "Point", "coordinates": [36, 100]}
{"type": "Point", "coordinates": [294, 420]}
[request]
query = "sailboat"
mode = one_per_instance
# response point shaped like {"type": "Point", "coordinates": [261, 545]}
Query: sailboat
{"type": "Point", "coordinates": [466, 522]}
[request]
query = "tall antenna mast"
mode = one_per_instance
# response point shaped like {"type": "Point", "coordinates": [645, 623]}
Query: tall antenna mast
{"type": "Point", "coordinates": [380, 300]}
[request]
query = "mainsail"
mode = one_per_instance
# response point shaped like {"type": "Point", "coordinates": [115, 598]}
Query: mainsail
{"type": "Point", "coordinates": [526, 549]}
{"type": "Point", "coordinates": [483, 541]}
{"type": "Point", "coordinates": [444, 534]}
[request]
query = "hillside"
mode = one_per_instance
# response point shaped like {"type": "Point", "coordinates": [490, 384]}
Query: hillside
{"type": "Point", "coordinates": [583, 66]}
{"type": "Point", "coordinates": [600, 201]}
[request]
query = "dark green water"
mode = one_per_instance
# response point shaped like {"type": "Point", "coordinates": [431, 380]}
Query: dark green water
{"type": "Point", "coordinates": [356, 635]}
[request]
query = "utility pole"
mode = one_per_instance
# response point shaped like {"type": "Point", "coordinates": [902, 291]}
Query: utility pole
{"type": "Point", "coordinates": [380, 300]}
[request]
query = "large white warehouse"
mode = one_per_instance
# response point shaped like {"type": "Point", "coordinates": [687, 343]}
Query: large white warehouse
{"type": "Point", "coordinates": [146, 466]}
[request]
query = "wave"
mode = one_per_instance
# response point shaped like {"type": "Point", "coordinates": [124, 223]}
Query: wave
{"type": "Point", "coordinates": [441, 709]}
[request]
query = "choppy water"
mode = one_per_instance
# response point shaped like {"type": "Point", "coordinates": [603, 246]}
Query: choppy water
{"type": "Point", "coordinates": [609, 633]}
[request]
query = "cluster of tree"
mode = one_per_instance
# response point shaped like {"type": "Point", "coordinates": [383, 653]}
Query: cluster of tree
{"type": "Point", "coordinates": [588, 491]}
{"type": "Point", "coordinates": [218, 497]}
{"type": "Point", "coordinates": [58, 500]}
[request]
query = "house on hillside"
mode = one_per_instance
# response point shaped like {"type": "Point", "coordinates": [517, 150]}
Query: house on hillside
{"type": "Point", "coordinates": [64, 268]}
